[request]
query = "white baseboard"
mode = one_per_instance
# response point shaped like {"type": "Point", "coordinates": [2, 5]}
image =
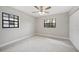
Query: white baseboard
{"type": "Point", "coordinates": [52, 36]}
{"type": "Point", "coordinates": [16, 40]}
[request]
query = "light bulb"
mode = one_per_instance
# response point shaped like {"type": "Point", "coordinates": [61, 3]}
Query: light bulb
{"type": "Point", "coordinates": [41, 13]}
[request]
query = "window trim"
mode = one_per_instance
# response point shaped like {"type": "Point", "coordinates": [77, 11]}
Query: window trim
{"type": "Point", "coordinates": [9, 24]}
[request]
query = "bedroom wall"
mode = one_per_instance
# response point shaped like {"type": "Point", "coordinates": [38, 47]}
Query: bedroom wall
{"type": "Point", "coordinates": [26, 26]}
{"type": "Point", "coordinates": [62, 26]}
{"type": "Point", "coordinates": [74, 28]}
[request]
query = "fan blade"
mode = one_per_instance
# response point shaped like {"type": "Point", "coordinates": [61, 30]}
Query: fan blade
{"type": "Point", "coordinates": [36, 7]}
{"type": "Point", "coordinates": [35, 11]}
{"type": "Point", "coordinates": [47, 8]}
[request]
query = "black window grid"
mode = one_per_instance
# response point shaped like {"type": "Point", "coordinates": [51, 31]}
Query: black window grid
{"type": "Point", "coordinates": [50, 25]}
{"type": "Point", "coordinates": [10, 22]}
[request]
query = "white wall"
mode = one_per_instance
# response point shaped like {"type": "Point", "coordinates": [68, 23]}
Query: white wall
{"type": "Point", "coordinates": [26, 26]}
{"type": "Point", "coordinates": [74, 29]}
{"type": "Point", "coordinates": [62, 26]}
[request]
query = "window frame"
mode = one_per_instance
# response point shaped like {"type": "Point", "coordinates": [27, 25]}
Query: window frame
{"type": "Point", "coordinates": [50, 25]}
{"type": "Point", "coordinates": [10, 22]}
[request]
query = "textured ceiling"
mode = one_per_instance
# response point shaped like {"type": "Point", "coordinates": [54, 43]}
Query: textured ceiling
{"type": "Point", "coordinates": [53, 10]}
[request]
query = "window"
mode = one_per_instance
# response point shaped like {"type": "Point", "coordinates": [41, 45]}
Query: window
{"type": "Point", "coordinates": [50, 23]}
{"type": "Point", "coordinates": [9, 20]}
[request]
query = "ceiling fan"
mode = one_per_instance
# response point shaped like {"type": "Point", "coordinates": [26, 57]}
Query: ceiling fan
{"type": "Point", "coordinates": [42, 9]}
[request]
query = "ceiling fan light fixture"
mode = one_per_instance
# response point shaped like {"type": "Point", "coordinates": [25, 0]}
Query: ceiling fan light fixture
{"type": "Point", "coordinates": [42, 13]}
{"type": "Point", "coordinates": [42, 10]}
